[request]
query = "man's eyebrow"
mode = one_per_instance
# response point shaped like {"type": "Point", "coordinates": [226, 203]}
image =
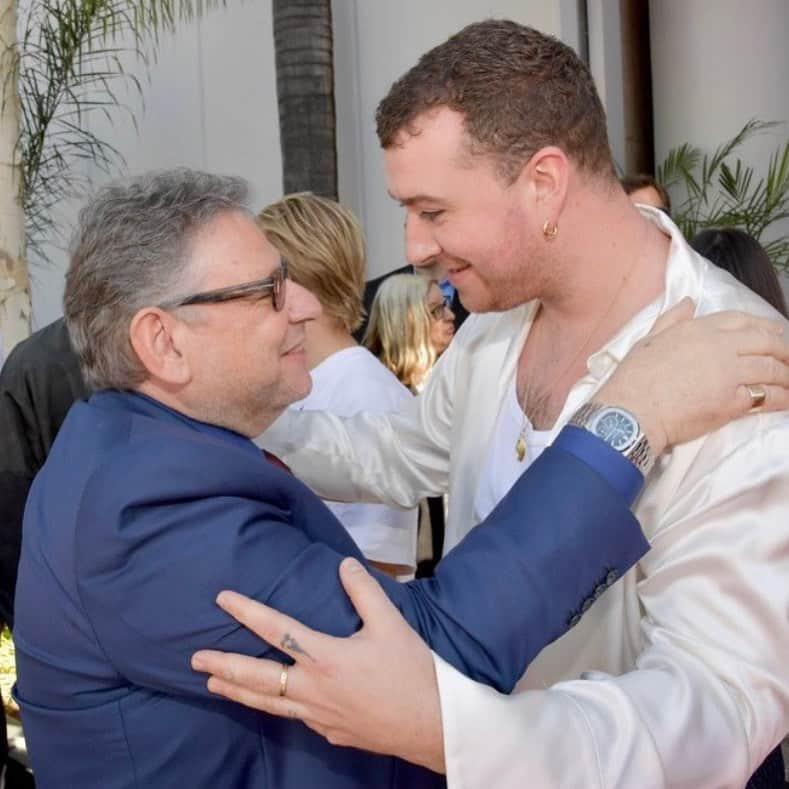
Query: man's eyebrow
{"type": "Point", "coordinates": [420, 198]}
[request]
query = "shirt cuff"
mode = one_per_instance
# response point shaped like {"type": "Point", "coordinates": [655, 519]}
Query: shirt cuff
{"type": "Point", "coordinates": [611, 465]}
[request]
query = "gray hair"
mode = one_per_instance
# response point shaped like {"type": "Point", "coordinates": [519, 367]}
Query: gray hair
{"type": "Point", "coordinates": [131, 250]}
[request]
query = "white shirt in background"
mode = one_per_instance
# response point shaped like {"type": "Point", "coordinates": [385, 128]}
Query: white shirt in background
{"type": "Point", "coordinates": [347, 382]}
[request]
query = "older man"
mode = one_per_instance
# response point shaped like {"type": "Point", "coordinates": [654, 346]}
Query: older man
{"type": "Point", "coordinates": [153, 498]}
{"type": "Point", "coordinates": [495, 143]}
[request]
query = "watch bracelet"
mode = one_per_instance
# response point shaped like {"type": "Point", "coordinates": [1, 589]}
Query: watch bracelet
{"type": "Point", "coordinates": [639, 454]}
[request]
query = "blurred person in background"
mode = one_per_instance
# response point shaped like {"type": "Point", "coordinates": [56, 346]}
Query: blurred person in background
{"type": "Point", "coordinates": [324, 246]}
{"type": "Point", "coordinates": [644, 189]}
{"type": "Point", "coordinates": [745, 258]}
{"type": "Point", "coordinates": [447, 288]}
{"type": "Point", "coordinates": [410, 326]}
{"type": "Point", "coordinates": [38, 384]}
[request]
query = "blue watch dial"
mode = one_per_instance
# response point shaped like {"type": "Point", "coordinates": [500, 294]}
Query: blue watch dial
{"type": "Point", "coordinates": [616, 428]}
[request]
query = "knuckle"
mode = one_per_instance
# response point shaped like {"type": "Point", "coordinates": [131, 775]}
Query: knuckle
{"type": "Point", "coordinates": [742, 401]}
{"type": "Point", "coordinates": [766, 340]}
{"type": "Point", "coordinates": [771, 370]}
{"type": "Point", "coordinates": [329, 670]}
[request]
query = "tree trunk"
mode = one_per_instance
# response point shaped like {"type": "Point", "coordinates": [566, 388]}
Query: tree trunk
{"type": "Point", "coordinates": [305, 90]}
{"type": "Point", "coordinates": [14, 283]}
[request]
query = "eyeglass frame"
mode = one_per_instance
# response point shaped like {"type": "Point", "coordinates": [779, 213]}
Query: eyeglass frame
{"type": "Point", "coordinates": [275, 284]}
{"type": "Point", "coordinates": [438, 310]}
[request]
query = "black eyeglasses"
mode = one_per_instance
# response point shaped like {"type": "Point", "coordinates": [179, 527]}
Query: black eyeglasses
{"type": "Point", "coordinates": [275, 285]}
{"type": "Point", "coordinates": [437, 311]}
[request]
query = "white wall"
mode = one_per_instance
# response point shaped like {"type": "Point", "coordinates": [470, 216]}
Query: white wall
{"type": "Point", "coordinates": [375, 42]}
{"type": "Point", "coordinates": [210, 103]}
{"type": "Point", "coordinates": [605, 63]}
{"type": "Point", "coordinates": [715, 65]}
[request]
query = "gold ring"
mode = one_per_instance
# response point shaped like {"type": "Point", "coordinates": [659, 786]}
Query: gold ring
{"type": "Point", "coordinates": [758, 395]}
{"type": "Point", "coordinates": [283, 680]}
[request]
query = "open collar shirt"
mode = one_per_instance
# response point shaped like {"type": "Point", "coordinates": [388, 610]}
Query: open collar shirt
{"type": "Point", "coordinates": [678, 675]}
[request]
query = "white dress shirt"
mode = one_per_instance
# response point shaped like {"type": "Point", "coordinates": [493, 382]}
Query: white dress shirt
{"type": "Point", "coordinates": [679, 675]}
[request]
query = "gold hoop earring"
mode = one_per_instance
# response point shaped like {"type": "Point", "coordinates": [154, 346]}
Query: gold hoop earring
{"type": "Point", "coordinates": [550, 231]}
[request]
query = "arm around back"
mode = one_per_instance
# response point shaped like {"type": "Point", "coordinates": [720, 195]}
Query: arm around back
{"type": "Point", "coordinates": [184, 532]}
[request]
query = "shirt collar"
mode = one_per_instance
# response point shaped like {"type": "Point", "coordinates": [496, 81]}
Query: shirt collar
{"type": "Point", "coordinates": [684, 277]}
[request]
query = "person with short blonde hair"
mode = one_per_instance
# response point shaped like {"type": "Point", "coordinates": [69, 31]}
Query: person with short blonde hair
{"type": "Point", "coordinates": [323, 244]}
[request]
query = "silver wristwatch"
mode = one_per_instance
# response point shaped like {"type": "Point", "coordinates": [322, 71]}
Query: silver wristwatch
{"type": "Point", "coordinates": [619, 429]}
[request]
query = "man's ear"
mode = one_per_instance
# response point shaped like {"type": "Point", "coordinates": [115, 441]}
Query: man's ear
{"type": "Point", "coordinates": [157, 340]}
{"type": "Point", "coordinates": [547, 175]}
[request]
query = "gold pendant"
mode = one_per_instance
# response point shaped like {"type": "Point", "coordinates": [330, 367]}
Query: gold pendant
{"type": "Point", "coordinates": [520, 449]}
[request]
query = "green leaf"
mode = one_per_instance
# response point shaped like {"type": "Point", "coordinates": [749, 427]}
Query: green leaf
{"type": "Point", "coordinates": [721, 190]}
{"type": "Point", "coordinates": [70, 66]}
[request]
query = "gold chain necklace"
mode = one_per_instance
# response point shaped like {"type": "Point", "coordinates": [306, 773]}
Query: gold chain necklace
{"type": "Point", "coordinates": [520, 444]}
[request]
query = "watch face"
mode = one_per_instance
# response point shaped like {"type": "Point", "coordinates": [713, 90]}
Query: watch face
{"type": "Point", "coordinates": [616, 427]}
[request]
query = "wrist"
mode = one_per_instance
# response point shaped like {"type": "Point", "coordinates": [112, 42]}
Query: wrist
{"type": "Point", "coordinates": [425, 743]}
{"type": "Point", "coordinates": [432, 736]}
{"type": "Point", "coordinates": [651, 429]}
{"type": "Point", "coordinates": [645, 413]}
{"type": "Point", "coordinates": [619, 428]}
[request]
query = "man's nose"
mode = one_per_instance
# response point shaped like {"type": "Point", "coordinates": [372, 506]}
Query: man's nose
{"type": "Point", "coordinates": [420, 245]}
{"type": "Point", "coordinates": [302, 305]}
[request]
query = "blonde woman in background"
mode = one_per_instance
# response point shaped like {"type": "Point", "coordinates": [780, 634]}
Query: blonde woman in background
{"type": "Point", "coordinates": [410, 326]}
{"type": "Point", "coordinates": [324, 247]}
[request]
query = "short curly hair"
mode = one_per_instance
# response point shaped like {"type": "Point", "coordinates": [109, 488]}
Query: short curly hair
{"type": "Point", "coordinates": [518, 89]}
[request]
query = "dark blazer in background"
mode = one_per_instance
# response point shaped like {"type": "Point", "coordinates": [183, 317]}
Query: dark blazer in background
{"type": "Point", "coordinates": [38, 384]}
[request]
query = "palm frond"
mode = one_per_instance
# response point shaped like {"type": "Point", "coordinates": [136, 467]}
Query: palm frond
{"type": "Point", "coordinates": [778, 251]}
{"type": "Point", "coordinates": [752, 127]}
{"type": "Point", "coordinates": [70, 65]}
{"type": "Point", "coordinates": [777, 180]}
{"type": "Point", "coordinates": [720, 191]}
{"type": "Point", "coordinates": [678, 165]}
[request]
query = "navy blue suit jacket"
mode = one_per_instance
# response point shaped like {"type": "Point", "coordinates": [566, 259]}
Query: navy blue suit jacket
{"type": "Point", "coordinates": [140, 516]}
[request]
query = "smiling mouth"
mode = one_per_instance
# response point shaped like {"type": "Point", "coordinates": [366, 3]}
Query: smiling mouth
{"type": "Point", "coordinates": [456, 268]}
{"type": "Point", "coordinates": [298, 348]}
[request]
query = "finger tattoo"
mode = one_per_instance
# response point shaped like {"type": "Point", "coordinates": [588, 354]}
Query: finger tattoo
{"type": "Point", "coordinates": [289, 643]}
